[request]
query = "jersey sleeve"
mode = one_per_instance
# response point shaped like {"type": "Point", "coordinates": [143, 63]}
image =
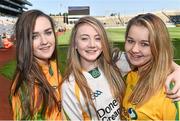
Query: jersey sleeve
{"type": "Point", "coordinates": [123, 64]}
{"type": "Point", "coordinates": [169, 110]}
{"type": "Point", "coordinates": [70, 104]}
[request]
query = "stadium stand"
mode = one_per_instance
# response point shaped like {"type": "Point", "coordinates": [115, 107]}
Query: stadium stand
{"type": "Point", "coordinates": [173, 16]}
{"type": "Point", "coordinates": [13, 7]}
{"type": "Point", "coordinates": [9, 10]}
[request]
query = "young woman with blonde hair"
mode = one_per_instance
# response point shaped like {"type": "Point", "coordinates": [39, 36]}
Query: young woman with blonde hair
{"type": "Point", "coordinates": [149, 49]}
{"type": "Point", "coordinates": [93, 88]}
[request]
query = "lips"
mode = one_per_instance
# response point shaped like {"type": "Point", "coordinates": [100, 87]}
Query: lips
{"type": "Point", "coordinates": [44, 48]}
{"type": "Point", "coordinates": [135, 56]}
{"type": "Point", "coordinates": [90, 51]}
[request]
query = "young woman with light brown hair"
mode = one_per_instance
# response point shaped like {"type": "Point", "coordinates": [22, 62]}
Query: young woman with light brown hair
{"type": "Point", "coordinates": [149, 49]}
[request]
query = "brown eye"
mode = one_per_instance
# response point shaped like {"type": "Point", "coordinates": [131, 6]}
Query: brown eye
{"type": "Point", "coordinates": [35, 36]}
{"type": "Point", "coordinates": [84, 38]}
{"type": "Point", "coordinates": [130, 41]}
{"type": "Point", "coordinates": [97, 38]}
{"type": "Point", "coordinates": [48, 32]}
{"type": "Point", "coordinates": [144, 44]}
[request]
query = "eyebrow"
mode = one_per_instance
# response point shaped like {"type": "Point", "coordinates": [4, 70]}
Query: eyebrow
{"type": "Point", "coordinates": [145, 40]}
{"type": "Point", "coordinates": [88, 35]}
{"type": "Point", "coordinates": [140, 40]}
{"type": "Point", "coordinates": [129, 37]}
{"type": "Point", "coordinates": [44, 30]}
{"type": "Point", "coordinates": [84, 35]}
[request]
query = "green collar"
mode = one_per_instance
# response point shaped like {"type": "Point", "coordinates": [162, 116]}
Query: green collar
{"type": "Point", "coordinates": [95, 72]}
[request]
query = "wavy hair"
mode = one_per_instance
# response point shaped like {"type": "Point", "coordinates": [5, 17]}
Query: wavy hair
{"type": "Point", "coordinates": [153, 74]}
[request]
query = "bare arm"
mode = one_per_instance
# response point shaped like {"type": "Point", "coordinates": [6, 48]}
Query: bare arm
{"type": "Point", "coordinates": [174, 77]}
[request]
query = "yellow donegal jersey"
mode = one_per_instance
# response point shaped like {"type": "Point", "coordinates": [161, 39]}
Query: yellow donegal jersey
{"type": "Point", "coordinates": [158, 107]}
{"type": "Point", "coordinates": [18, 99]}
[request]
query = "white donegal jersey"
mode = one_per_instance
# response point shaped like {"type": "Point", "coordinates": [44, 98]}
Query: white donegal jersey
{"type": "Point", "coordinates": [123, 64]}
{"type": "Point", "coordinates": [74, 105]}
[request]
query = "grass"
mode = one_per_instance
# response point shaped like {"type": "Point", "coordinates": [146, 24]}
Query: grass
{"type": "Point", "coordinates": [62, 55]}
{"type": "Point", "coordinates": [117, 40]}
{"type": "Point", "coordinates": [8, 69]}
{"type": "Point", "coordinates": [117, 35]}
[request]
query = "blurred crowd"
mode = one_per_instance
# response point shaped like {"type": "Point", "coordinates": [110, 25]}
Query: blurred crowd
{"type": "Point", "coordinates": [6, 31]}
{"type": "Point", "coordinates": [6, 41]}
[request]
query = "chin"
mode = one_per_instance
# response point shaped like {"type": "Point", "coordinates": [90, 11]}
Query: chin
{"type": "Point", "coordinates": [47, 56]}
{"type": "Point", "coordinates": [135, 63]}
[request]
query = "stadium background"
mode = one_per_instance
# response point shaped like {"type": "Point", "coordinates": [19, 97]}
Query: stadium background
{"type": "Point", "coordinates": [11, 9]}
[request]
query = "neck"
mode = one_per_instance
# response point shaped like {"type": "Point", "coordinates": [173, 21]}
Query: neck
{"type": "Point", "coordinates": [89, 66]}
{"type": "Point", "coordinates": [43, 62]}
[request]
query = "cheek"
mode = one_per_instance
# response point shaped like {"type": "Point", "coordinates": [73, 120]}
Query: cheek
{"type": "Point", "coordinates": [53, 39]}
{"type": "Point", "coordinates": [148, 52]}
{"type": "Point", "coordinates": [126, 47]}
{"type": "Point", "coordinates": [81, 45]}
{"type": "Point", "coordinates": [53, 43]}
{"type": "Point", "coordinates": [35, 45]}
{"type": "Point", "coordinates": [150, 56]}
{"type": "Point", "coordinates": [99, 45]}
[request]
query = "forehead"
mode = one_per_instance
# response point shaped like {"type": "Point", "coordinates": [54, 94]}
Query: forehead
{"type": "Point", "coordinates": [138, 31]}
{"type": "Point", "coordinates": [42, 23]}
{"type": "Point", "coordinates": [86, 29]}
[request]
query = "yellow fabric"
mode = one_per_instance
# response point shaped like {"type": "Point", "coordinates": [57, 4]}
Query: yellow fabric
{"type": "Point", "coordinates": [84, 114]}
{"type": "Point", "coordinates": [54, 81]}
{"type": "Point", "coordinates": [158, 107]}
{"type": "Point", "coordinates": [16, 108]}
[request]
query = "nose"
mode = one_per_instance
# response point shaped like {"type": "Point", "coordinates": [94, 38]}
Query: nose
{"type": "Point", "coordinates": [92, 43]}
{"type": "Point", "coordinates": [43, 40]}
{"type": "Point", "coordinates": [135, 48]}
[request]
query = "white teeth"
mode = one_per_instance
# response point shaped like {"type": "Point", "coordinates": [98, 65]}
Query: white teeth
{"type": "Point", "coordinates": [44, 48]}
{"type": "Point", "coordinates": [136, 56]}
{"type": "Point", "coordinates": [90, 51]}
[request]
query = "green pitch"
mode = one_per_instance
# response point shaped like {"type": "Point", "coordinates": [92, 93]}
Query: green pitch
{"type": "Point", "coordinates": [116, 37]}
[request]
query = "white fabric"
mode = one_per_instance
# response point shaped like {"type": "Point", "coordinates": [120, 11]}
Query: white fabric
{"type": "Point", "coordinates": [123, 64]}
{"type": "Point", "coordinates": [106, 107]}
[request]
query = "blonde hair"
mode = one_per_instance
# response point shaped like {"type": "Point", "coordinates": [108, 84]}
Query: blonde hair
{"type": "Point", "coordinates": [104, 62]}
{"type": "Point", "coordinates": [154, 74]}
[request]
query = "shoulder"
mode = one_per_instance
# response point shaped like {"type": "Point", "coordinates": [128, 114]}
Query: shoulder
{"type": "Point", "coordinates": [69, 83]}
{"type": "Point", "coordinates": [132, 77]}
{"type": "Point", "coordinates": [123, 64]}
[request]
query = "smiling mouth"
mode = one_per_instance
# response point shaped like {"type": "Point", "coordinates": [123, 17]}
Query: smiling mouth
{"type": "Point", "coordinates": [45, 48]}
{"type": "Point", "coordinates": [135, 56]}
{"type": "Point", "coordinates": [90, 51]}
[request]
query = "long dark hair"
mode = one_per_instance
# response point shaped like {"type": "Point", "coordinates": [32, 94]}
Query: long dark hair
{"type": "Point", "coordinates": [28, 73]}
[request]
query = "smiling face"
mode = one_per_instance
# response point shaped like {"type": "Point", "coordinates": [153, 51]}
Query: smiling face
{"type": "Point", "coordinates": [43, 40]}
{"type": "Point", "coordinates": [88, 44]}
{"type": "Point", "coordinates": [137, 46]}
